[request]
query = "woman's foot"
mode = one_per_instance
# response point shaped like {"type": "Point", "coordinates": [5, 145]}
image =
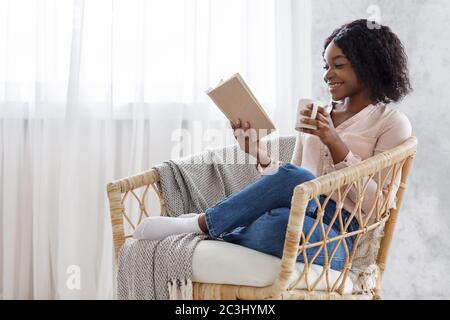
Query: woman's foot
{"type": "Point", "coordinates": [157, 228]}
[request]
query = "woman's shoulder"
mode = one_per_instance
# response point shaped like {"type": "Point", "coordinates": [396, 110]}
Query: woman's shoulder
{"type": "Point", "coordinates": [393, 119]}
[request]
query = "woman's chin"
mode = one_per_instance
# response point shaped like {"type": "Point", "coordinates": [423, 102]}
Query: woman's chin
{"type": "Point", "coordinates": [337, 96]}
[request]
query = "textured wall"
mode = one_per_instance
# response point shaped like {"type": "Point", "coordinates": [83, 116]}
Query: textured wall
{"type": "Point", "coordinates": [419, 262]}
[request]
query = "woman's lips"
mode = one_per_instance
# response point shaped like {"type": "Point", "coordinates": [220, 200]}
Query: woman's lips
{"type": "Point", "coordinates": [333, 86]}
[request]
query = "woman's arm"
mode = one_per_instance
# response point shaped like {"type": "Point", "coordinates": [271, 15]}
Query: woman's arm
{"type": "Point", "coordinates": [396, 130]}
{"type": "Point", "coordinates": [338, 149]}
{"type": "Point", "coordinates": [264, 163]}
{"type": "Point", "coordinates": [296, 157]}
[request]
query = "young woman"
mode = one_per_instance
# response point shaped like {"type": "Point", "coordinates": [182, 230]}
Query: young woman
{"type": "Point", "coordinates": [365, 69]}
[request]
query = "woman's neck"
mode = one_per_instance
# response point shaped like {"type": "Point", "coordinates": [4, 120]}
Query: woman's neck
{"type": "Point", "coordinates": [356, 103]}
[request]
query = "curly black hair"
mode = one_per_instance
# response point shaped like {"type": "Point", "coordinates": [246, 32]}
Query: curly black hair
{"type": "Point", "coordinates": [377, 56]}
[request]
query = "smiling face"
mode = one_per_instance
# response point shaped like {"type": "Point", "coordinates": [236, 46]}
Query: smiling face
{"type": "Point", "coordinates": [339, 75]}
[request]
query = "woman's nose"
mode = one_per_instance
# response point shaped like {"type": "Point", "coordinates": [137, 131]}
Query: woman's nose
{"type": "Point", "coordinates": [327, 75]}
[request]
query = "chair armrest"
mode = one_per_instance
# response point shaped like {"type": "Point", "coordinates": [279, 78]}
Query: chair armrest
{"type": "Point", "coordinates": [118, 191]}
{"type": "Point", "coordinates": [333, 182]}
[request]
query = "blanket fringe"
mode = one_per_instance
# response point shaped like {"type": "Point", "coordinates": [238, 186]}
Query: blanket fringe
{"type": "Point", "coordinates": [180, 289]}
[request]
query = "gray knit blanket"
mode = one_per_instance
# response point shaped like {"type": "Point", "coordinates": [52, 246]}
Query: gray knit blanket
{"type": "Point", "coordinates": [157, 270]}
{"type": "Point", "coordinates": [195, 183]}
{"type": "Point", "coordinates": [163, 269]}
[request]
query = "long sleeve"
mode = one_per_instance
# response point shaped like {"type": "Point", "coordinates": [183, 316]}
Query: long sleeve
{"type": "Point", "coordinates": [298, 150]}
{"type": "Point", "coordinates": [394, 133]}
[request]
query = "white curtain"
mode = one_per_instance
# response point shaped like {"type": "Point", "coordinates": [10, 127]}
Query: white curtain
{"type": "Point", "coordinates": [92, 91]}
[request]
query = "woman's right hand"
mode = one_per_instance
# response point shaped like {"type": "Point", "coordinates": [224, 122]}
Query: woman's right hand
{"type": "Point", "coordinates": [251, 146]}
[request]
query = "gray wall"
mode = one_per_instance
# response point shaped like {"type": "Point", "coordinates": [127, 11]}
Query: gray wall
{"type": "Point", "coordinates": [419, 262]}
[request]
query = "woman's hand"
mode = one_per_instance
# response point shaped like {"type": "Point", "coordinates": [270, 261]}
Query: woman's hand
{"type": "Point", "coordinates": [325, 128]}
{"type": "Point", "coordinates": [248, 143]}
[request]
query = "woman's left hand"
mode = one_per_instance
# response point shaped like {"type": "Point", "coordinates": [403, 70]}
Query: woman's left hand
{"type": "Point", "coordinates": [325, 128]}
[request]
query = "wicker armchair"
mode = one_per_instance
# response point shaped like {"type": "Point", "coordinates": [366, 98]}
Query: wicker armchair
{"type": "Point", "coordinates": [395, 162]}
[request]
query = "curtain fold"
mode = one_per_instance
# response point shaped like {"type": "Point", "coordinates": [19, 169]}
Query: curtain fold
{"type": "Point", "coordinates": [93, 91]}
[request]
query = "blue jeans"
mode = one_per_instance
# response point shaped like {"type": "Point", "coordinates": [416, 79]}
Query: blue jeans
{"type": "Point", "coordinates": [257, 216]}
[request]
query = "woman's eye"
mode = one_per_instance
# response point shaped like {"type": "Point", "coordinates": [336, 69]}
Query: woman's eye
{"type": "Point", "coordinates": [337, 66]}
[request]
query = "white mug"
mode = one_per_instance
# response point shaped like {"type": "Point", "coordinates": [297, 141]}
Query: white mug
{"type": "Point", "coordinates": [302, 104]}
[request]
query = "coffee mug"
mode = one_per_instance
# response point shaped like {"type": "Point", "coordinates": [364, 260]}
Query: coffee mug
{"type": "Point", "coordinates": [302, 104]}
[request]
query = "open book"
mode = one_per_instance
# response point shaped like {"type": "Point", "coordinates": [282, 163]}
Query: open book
{"type": "Point", "coordinates": [236, 101]}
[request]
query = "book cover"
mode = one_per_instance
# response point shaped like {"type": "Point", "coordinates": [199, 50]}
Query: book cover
{"type": "Point", "coordinates": [236, 101]}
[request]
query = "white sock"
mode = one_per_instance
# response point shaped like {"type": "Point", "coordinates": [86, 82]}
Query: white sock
{"type": "Point", "coordinates": [157, 228]}
{"type": "Point", "coordinates": [188, 215]}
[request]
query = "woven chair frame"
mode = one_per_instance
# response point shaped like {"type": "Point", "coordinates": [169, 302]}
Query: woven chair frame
{"type": "Point", "coordinates": [392, 163]}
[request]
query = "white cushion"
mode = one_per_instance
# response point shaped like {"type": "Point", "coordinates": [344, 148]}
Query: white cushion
{"type": "Point", "coordinates": [216, 261]}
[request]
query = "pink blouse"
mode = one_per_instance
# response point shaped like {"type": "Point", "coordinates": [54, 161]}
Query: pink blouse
{"type": "Point", "coordinates": [373, 130]}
